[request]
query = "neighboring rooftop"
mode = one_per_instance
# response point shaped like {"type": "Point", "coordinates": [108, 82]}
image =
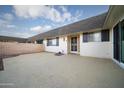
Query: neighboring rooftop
{"type": "Point", "coordinates": [12, 39]}
{"type": "Point", "coordinates": [95, 22]}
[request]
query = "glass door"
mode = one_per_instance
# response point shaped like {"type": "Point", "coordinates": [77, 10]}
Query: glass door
{"type": "Point", "coordinates": [116, 42]}
{"type": "Point", "coordinates": [122, 41]}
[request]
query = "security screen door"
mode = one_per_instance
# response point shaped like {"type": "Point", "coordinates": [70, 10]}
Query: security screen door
{"type": "Point", "coordinates": [73, 44]}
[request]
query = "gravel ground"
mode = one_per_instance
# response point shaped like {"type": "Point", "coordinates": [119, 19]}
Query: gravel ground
{"type": "Point", "coordinates": [47, 70]}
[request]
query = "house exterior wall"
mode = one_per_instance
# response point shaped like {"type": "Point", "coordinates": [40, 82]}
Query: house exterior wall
{"type": "Point", "coordinates": [96, 49]}
{"type": "Point", "coordinates": [91, 49]}
{"type": "Point", "coordinates": [62, 46]}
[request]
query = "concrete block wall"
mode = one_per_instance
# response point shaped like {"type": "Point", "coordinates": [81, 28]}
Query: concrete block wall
{"type": "Point", "coordinates": [10, 49]}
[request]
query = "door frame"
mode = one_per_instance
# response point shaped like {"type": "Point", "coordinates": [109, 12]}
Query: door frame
{"type": "Point", "coordinates": [78, 43]}
{"type": "Point", "coordinates": [75, 52]}
{"type": "Point", "coordinates": [121, 39]}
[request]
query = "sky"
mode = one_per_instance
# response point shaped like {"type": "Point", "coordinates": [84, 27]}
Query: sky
{"type": "Point", "coordinates": [26, 21]}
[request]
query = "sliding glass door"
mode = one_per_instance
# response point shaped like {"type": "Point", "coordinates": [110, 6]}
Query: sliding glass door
{"type": "Point", "coordinates": [122, 41]}
{"type": "Point", "coordinates": [116, 43]}
{"type": "Point", "coordinates": [119, 42]}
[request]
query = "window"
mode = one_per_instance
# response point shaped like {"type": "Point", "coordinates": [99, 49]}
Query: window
{"type": "Point", "coordinates": [96, 36]}
{"type": "Point", "coordinates": [85, 37]}
{"type": "Point", "coordinates": [53, 42]}
{"type": "Point", "coordinates": [49, 42]}
{"type": "Point", "coordinates": [39, 41]}
{"type": "Point", "coordinates": [105, 35]}
{"type": "Point", "coordinates": [92, 37]}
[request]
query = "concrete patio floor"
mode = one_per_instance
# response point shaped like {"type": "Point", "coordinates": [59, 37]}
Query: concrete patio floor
{"type": "Point", "coordinates": [47, 70]}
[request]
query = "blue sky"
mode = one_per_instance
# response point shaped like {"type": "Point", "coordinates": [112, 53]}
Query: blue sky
{"type": "Point", "coordinates": [26, 21]}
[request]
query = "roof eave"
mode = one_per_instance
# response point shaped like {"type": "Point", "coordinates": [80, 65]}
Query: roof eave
{"type": "Point", "coordinates": [107, 17]}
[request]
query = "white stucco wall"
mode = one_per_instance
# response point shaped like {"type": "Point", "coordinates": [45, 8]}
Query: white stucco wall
{"type": "Point", "coordinates": [96, 49]}
{"type": "Point", "coordinates": [91, 49]}
{"type": "Point", "coordinates": [62, 46]}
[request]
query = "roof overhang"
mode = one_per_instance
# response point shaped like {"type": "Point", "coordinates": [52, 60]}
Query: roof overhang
{"type": "Point", "coordinates": [115, 14]}
{"type": "Point", "coordinates": [75, 33]}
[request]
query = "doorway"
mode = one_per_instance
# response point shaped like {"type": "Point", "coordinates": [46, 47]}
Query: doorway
{"type": "Point", "coordinates": [116, 43]}
{"type": "Point", "coordinates": [122, 41]}
{"type": "Point", "coordinates": [74, 44]}
{"type": "Point", "coordinates": [119, 41]}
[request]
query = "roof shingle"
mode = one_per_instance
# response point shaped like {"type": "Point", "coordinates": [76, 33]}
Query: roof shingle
{"type": "Point", "coordinates": [81, 26]}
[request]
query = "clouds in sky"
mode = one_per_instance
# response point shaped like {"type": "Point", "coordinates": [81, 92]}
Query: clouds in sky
{"type": "Point", "coordinates": [11, 26]}
{"type": "Point", "coordinates": [60, 15]}
{"type": "Point", "coordinates": [41, 29]}
{"type": "Point", "coordinates": [6, 21]}
{"type": "Point", "coordinates": [47, 12]}
{"type": "Point", "coordinates": [54, 14]}
{"type": "Point", "coordinates": [28, 20]}
{"type": "Point", "coordinates": [8, 16]}
{"type": "Point", "coordinates": [7, 27]}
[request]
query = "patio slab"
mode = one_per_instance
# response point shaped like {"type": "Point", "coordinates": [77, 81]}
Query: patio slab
{"type": "Point", "coordinates": [66, 71]}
